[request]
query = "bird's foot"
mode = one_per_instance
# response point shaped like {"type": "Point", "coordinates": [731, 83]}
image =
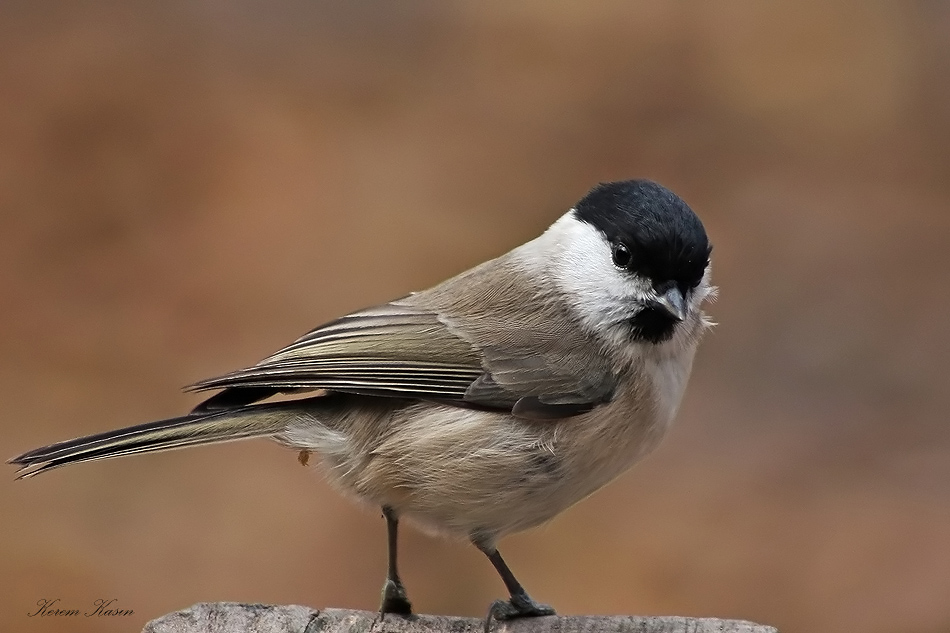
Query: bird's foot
{"type": "Point", "coordinates": [519, 606]}
{"type": "Point", "coordinates": [394, 599]}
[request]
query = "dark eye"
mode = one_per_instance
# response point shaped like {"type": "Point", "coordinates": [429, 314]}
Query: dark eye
{"type": "Point", "coordinates": [621, 256]}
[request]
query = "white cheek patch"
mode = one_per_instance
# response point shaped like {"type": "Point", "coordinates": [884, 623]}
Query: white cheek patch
{"type": "Point", "coordinates": [579, 261]}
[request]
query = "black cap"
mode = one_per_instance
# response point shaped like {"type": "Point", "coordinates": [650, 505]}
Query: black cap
{"type": "Point", "coordinates": [666, 240]}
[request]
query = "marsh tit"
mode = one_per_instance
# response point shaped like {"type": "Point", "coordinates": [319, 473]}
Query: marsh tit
{"type": "Point", "coordinates": [486, 404]}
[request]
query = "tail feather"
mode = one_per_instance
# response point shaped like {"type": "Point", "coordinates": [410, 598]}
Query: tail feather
{"type": "Point", "coordinates": [190, 430]}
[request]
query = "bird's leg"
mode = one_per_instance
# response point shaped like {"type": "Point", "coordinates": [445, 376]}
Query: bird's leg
{"type": "Point", "coordinates": [394, 599]}
{"type": "Point", "coordinates": [520, 605]}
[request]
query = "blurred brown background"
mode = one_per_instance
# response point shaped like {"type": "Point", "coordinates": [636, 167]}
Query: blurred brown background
{"type": "Point", "coordinates": [187, 185]}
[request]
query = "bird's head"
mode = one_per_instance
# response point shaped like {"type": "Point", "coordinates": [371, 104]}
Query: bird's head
{"type": "Point", "coordinates": [634, 260]}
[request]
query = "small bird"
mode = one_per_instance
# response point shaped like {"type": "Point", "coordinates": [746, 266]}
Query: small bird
{"type": "Point", "coordinates": [489, 403]}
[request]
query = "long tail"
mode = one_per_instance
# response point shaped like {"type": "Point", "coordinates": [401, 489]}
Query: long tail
{"type": "Point", "coordinates": [189, 430]}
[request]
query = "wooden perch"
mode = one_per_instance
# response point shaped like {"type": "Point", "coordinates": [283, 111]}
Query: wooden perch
{"type": "Point", "coordinates": [231, 617]}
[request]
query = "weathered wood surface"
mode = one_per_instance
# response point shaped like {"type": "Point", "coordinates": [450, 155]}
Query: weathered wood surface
{"type": "Point", "coordinates": [230, 617]}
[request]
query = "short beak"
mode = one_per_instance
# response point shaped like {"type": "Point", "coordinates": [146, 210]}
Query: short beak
{"type": "Point", "coordinates": [673, 303]}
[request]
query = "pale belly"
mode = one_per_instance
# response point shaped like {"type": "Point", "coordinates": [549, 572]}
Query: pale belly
{"type": "Point", "coordinates": [473, 473]}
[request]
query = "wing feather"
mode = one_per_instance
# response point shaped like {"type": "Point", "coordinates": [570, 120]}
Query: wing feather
{"type": "Point", "coordinates": [472, 341]}
{"type": "Point", "coordinates": [386, 350]}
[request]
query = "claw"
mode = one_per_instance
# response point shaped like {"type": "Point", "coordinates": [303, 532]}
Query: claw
{"type": "Point", "coordinates": [519, 606]}
{"type": "Point", "coordinates": [394, 600]}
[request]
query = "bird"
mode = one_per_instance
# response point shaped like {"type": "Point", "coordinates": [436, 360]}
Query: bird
{"type": "Point", "coordinates": [489, 403]}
